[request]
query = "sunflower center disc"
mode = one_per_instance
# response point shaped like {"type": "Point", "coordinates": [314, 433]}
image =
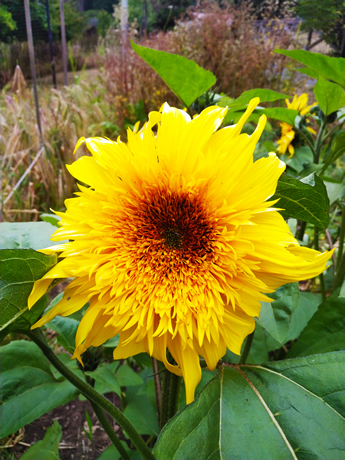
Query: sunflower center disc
{"type": "Point", "coordinates": [173, 238]}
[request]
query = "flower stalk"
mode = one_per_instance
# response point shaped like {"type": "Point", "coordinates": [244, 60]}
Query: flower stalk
{"type": "Point", "coordinates": [109, 429]}
{"type": "Point", "coordinates": [91, 394]}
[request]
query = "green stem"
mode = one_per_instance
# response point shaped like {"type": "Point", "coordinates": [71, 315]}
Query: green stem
{"type": "Point", "coordinates": [322, 279]}
{"type": "Point", "coordinates": [171, 385]}
{"type": "Point", "coordinates": [109, 430]}
{"type": "Point", "coordinates": [339, 277]}
{"type": "Point", "coordinates": [341, 240]}
{"type": "Point", "coordinates": [312, 148]}
{"type": "Point", "coordinates": [247, 347]}
{"type": "Point", "coordinates": [91, 394]}
{"type": "Point", "coordinates": [319, 140]}
{"type": "Point", "coordinates": [174, 395]}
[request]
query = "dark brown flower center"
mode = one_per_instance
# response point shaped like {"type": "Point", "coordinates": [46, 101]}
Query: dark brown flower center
{"type": "Point", "coordinates": [173, 238]}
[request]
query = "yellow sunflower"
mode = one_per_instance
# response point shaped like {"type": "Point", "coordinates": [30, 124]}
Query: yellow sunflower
{"type": "Point", "coordinates": [287, 133]}
{"type": "Point", "coordinates": [174, 243]}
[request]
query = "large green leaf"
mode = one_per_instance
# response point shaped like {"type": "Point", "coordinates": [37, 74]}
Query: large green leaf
{"type": "Point", "coordinates": [19, 269]}
{"type": "Point", "coordinates": [265, 95]}
{"type": "Point", "coordinates": [184, 77]}
{"type": "Point", "coordinates": [286, 317]}
{"type": "Point", "coordinates": [127, 377]}
{"type": "Point", "coordinates": [325, 330]}
{"type": "Point", "coordinates": [276, 316]}
{"type": "Point", "coordinates": [142, 415]}
{"type": "Point", "coordinates": [28, 388]}
{"type": "Point", "coordinates": [331, 68]}
{"type": "Point", "coordinates": [303, 156]}
{"type": "Point", "coordinates": [270, 412]}
{"type": "Point", "coordinates": [104, 376]}
{"type": "Point", "coordinates": [48, 448]}
{"type": "Point", "coordinates": [66, 329]}
{"type": "Point", "coordinates": [304, 199]}
{"type": "Point", "coordinates": [329, 96]}
{"type": "Point", "coordinates": [26, 235]}
{"type": "Point", "coordinates": [279, 113]}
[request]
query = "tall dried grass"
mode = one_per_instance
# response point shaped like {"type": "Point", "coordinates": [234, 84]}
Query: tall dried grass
{"type": "Point", "coordinates": [79, 110]}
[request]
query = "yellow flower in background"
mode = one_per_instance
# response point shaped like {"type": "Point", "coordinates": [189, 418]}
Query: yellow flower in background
{"type": "Point", "coordinates": [287, 133]}
{"type": "Point", "coordinates": [174, 243]}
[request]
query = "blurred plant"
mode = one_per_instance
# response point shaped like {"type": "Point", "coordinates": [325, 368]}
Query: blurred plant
{"type": "Point", "coordinates": [287, 132]}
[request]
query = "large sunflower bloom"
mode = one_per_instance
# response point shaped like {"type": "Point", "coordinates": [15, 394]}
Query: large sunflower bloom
{"type": "Point", "coordinates": [174, 244]}
{"type": "Point", "coordinates": [287, 132]}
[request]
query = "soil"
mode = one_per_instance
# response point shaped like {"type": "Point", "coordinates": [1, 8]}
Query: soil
{"type": "Point", "coordinates": [74, 444]}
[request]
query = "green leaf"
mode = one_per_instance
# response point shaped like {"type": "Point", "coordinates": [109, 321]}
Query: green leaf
{"type": "Point", "coordinates": [28, 388]}
{"type": "Point", "coordinates": [26, 235]}
{"type": "Point", "coordinates": [269, 412]}
{"type": "Point", "coordinates": [66, 329]}
{"type": "Point", "coordinates": [142, 415]}
{"type": "Point", "coordinates": [26, 320]}
{"type": "Point", "coordinates": [265, 95]}
{"type": "Point", "coordinates": [52, 219]}
{"type": "Point", "coordinates": [332, 68]}
{"type": "Point", "coordinates": [303, 156]}
{"type": "Point", "coordinates": [279, 113]}
{"type": "Point", "coordinates": [275, 317]}
{"type": "Point", "coordinates": [335, 191]}
{"type": "Point", "coordinates": [325, 330]}
{"type": "Point", "coordinates": [48, 448]}
{"type": "Point", "coordinates": [105, 376]}
{"type": "Point", "coordinates": [310, 72]}
{"type": "Point", "coordinates": [338, 146]}
{"type": "Point", "coordinates": [19, 269]}
{"type": "Point", "coordinates": [304, 199]}
{"type": "Point", "coordinates": [111, 453]}
{"type": "Point", "coordinates": [329, 96]}
{"type": "Point", "coordinates": [127, 377]}
{"type": "Point", "coordinates": [184, 77]}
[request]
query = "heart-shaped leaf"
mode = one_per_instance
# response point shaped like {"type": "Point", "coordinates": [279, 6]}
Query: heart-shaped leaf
{"type": "Point", "coordinates": [256, 412]}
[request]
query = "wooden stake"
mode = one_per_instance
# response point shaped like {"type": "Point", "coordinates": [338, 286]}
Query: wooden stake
{"type": "Point", "coordinates": [63, 42]}
{"type": "Point", "coordinates": [32, 63]}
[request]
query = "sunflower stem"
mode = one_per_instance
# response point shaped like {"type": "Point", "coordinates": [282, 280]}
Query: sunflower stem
{"type": "Point", "coordinates": [319, 140]}
{"type": "Point", "coordinates": [322, 279]}
{"type": "Point", "coordinates": [158, 387]}
{"type": "Point", "coordinates": [109, 430]}
{"type": "Point", "coordinates": [91, 394]}
{"type": "Point", "coordinates": [171, 385]}
{"type": "Point", "coordinates": [340, 242]}
{"type": "Point", "coordinates": [247, 347]}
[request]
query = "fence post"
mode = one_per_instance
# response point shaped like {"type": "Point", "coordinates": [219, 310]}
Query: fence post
{"type": "Point", "coordinates": [32, 63]}
{"type": "Point", "coordinates": [63, 42]}
{"type": "Point", "coordinates": [51, 44]}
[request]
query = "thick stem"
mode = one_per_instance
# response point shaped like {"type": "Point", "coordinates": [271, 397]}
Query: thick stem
{"type": "Point", "coordinates": [339, 277]}
{"type": "Point", "coordinates": [247, 347]}
{"type": "Point", "coordinates": [174, 395]}
{"type": "Point", "coordinates": [109, 430]}
{"type": "Point", "coordinates": [158, 387]}
{"type": "Point", "coordinates": [91, 394]}
{"type": "Point", "coordinates": [319, 140]}
{"type": "Point", "coordinates": [170, 396]}
{"type": "Point", "coordinates": [322, 279]}
{"type": "Point", "coordinates": [341, 240]}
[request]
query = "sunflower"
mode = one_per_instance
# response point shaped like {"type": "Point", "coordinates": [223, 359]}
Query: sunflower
{"type": "Point", "coordinates": [287, 132]}
{"type": "Point", "coordinates": [173, 242]}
